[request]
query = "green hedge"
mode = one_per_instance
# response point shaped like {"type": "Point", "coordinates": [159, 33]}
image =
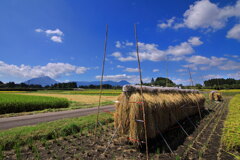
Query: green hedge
{"type": "Point", "coordinates": [13, 103]}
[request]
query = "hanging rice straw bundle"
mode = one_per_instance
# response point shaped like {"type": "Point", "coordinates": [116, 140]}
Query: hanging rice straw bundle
{"type": "Point", "coordinates": [163, 106]}
{"type": "Point", "coordinates": [215, 96]}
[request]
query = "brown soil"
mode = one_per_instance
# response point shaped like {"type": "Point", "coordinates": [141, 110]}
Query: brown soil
{"type": "Point", "coordinates": [201, 141]}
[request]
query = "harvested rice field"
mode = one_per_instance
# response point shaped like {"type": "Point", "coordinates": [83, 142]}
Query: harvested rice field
{"type": "Point", "coordinates": [86, 99]}
{"type": "Point", "coordinates": [201, 140]}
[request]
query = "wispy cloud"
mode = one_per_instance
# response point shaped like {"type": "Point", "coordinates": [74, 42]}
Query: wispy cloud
{"type": "Point", "coordinates": [155, 70]}
{"type": "Point", "coordinates": [119, 66]}
{"type": "Point", "coordinates": [131, 70]}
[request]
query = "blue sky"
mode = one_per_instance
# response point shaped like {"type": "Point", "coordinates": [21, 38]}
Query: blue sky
{"type": "Point", "coordinates": [64, 39]}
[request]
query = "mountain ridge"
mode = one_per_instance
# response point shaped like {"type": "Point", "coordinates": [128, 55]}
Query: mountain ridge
{"type": "Point", "coordinates": [45, 80]}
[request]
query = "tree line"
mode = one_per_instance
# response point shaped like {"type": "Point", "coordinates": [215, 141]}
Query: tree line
{"type": "Point", "coordinates": [62, 86]}
{"type": "Point", "coordinates": [23, 86]}
{"type": "Point", "coordinates": [221, 83]}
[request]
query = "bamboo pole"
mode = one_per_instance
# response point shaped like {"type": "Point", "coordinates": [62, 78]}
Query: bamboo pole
{"type": "Point", "coordinates": [101, 81]}
{"type": "Point", "coordinates": [140, 78]}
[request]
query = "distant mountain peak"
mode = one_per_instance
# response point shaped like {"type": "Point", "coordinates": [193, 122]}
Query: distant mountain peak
{"type": "Point", "coordinates": [43, 81]}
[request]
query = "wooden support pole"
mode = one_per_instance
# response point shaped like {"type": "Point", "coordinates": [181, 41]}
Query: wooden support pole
{"type": "Point", "coordinates": [141, 91]}
{"type": "Point", "coordinates": [101, 81]}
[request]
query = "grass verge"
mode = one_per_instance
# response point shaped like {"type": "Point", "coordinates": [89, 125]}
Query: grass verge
{"type": "Point", "coordinates": [231, 131]}
{"type": "Point", "coordinates": [50, 130]}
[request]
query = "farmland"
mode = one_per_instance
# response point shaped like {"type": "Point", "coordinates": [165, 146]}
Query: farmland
{"type": "Point", "coordinates": [81, 144]}
{"type": "Point", "coordinates": [74, 137]}
{"type": "Point", "coordinates": [76, 100]}
{"type": "Point", "coordinates": [12, 103]}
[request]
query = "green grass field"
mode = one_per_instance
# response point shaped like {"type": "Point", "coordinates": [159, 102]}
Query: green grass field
{"type": "Point", "coordinates": [50, 130]}
{"type": "Point", "coordinates": [231, 132]}
{"type": "Point", "coordinates": [12, 103]}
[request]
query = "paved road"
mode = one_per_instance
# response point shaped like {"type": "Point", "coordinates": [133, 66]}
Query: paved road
{"type": "Point", "coordinates": [11, 122]}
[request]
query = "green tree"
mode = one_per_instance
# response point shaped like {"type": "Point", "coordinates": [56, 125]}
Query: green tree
{"type": "Point", "coordinates": [198, 86]}
{"type": "Point", "coordinates": [161, 81]}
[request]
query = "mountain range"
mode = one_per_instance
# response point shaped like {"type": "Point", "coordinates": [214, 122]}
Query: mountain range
{"type": "Point", "coordinates": [87, 83]}
{"type": "Point", "coordinates": [45, 80]}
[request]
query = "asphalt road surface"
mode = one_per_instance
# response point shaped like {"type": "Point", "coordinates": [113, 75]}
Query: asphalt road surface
{"type": "Point", "coordinates": [11, 122]}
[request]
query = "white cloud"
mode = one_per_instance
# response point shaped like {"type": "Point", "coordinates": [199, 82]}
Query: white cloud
{"type": "Point", "coordinates": [56, 35]}
{"type": "Point", "coordinates": [120, 77]}
{"type": "Point", "coordinates": [203, 14]}
{"type": "Point", "coordinates": [116, 54]}
{"type": "Point", "coordinates": [119, 66]}
{"type": "Point", "coordinates": [207, 15]}
{"type": "Point", "coordinates": [234, 75]}
{"type": "Point", "coordinates": [150, 51]}
{"type": "Point", "coordinates": [54, 32]}
{"type": "Point", "coordinates": [118, 44]}
{"type": "Point", "coordinates": [212, 76]}
{"type": "Point", "coordinates": [232, 56]}
{"type": "Point", "coordinates": [168, 24]}
{"type": "Point", "coordinates": [123, 44]}
{"type": "Point", "coordinates": [204, 68]}
{"type": "Point", "coordinates": [131, 70]}
{"type": "Point", "coordinates": [181, 81]}
{"type": "Point", "coordinates": [52, 70]}
{"type": "Point", "coordinates": [57, 39]}
{"type": "Point", "coordinates": [80, 70]}
{"type": "Point", "coordinates": [155, 70]}
{"type": "Point", "coordinates": [212, 61]}
{"type": "Point", "coordinates": [205, 63]}
{"type": "Point", "coordinates": [191, 66]}
{"type": "Point", "coordinates": [179, 50]}
{"type": "Point", "coordinates": [234, 33]}
{"type": "Point", "coordinates": [230, 65]}
{"type": "Point", "coordinates": [195, 41]}
{"type": "Point", "coordinates": [128, 43]}
{"type": "Point", "coordinates": [129, 58]}
{"type": "Point", "coordinates": [39, 30]}
{"type": "Point", "coordinates": [182, 70]}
